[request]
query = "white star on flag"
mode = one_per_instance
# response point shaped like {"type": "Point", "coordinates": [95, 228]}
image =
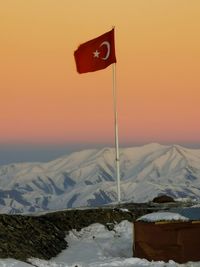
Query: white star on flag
{"type": "Point", "coordinates": [96, 53]}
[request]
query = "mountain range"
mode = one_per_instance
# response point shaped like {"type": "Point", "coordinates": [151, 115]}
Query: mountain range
{"type": "Point", "coordinates": [87, 178]}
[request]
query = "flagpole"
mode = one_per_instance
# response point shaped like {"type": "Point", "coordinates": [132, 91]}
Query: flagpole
{"type": "Point", "coordinates": [116, 132]}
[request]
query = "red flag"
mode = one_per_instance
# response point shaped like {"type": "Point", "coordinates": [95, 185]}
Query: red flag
{"type": "Point", "coordinates": [96, 54]}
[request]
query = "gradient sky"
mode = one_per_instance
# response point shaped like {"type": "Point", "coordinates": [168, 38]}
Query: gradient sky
{"type": "Point", "coordinates": [45, 101]}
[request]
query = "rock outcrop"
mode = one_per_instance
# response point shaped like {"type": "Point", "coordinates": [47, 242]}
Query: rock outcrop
{"type": "Point", "coordinates": [23, 237]}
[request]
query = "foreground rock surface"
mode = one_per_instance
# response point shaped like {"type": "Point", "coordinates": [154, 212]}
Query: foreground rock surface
{"type": "Point", "coordinates": [22, 237]}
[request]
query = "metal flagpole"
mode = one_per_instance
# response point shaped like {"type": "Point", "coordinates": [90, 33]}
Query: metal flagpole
{"type": "Point", "coordinates": [116, 133]}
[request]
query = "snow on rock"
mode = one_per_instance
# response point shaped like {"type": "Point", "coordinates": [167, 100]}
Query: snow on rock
{"type": "Point", "coordinates": [162, 216]}
{"type": "Point", "coordinates": [116, 262]}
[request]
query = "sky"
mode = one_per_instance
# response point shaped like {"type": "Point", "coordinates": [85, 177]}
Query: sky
{"type": "Point", "coordinates": [46, 104]}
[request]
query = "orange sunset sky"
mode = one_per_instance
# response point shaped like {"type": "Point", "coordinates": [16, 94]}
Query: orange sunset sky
{"type": "Point", "coordinates": [44, 100]}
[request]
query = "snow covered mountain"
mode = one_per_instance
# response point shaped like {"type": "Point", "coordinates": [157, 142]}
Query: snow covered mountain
{"type": "Point", "coordinates": [87, 178]}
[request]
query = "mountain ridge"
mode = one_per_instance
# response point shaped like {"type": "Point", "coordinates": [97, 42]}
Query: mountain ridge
{"type": "Point", "coordinates": [87, 178]}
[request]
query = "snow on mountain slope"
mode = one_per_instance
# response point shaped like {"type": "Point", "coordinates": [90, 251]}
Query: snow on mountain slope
{"type": "Point", "coordinates": [87, 178]}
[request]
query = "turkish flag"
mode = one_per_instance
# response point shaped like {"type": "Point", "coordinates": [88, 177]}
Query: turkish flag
{"type": "Point", "coordinates": [96, 54]}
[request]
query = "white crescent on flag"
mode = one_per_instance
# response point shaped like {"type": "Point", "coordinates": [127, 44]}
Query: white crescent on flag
{"type": "Point", "coordinates": [108, 50]}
